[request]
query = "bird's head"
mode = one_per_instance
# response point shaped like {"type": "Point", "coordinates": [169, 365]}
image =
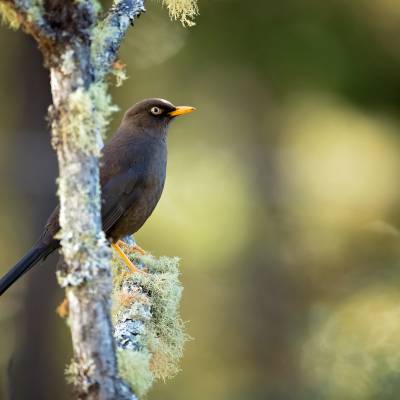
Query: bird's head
{"type": "Point", "coordinates": [154, 115]}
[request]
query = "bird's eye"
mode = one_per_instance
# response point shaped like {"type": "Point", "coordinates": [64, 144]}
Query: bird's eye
{"type": "Point", "coordinates": [156, 110]}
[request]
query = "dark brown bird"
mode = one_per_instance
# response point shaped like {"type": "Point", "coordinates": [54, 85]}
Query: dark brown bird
{"type": "Point", "coordinates": [132, 176]}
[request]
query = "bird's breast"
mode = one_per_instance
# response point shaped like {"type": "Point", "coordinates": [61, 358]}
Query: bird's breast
{"type": "Point", "coordinates": [141, 209]}
{"type": "Point", "coordinates": [149, 189]}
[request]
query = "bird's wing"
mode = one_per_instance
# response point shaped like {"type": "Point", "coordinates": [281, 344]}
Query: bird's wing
{"type": "Point", "coordinates": [118, 195]}
{"type": "Point", "coordinates": [51, 228]}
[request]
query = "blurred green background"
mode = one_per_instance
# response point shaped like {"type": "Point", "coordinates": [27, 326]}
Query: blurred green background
{"type": "Point", "coordinates": [282, 199]}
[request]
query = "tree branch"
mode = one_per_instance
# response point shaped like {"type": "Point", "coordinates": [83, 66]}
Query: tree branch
{"type": "Point", "coordinates": [79, 115]}
{"type": "Point", "coordinates": [78, 124]}
{"type": "Point", "coordinates": [110, 31]}
{"type": "Point", "coordinates": [30, 16]}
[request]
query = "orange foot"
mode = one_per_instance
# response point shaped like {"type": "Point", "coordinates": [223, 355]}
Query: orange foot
{"type": "Point", "coordinates": [133, 268]}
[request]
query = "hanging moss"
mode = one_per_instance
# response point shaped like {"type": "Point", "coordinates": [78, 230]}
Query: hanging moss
{"type": "Point", "coordinates": [184, 11]}
{"type": "Point", "coordinates": [9, 16]}
{"type": "Point", "coordinates": [148, 326]}
{"type": "Point", "coordinates": [32, 11]}
{"type": "Point", "coordinates": [118, 69]}
{"type": "Point", "coordinates": [134, 367]}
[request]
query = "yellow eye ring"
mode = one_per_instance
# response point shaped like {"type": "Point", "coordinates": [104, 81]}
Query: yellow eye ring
{"type": "Point", "coordinates": [156, 110]}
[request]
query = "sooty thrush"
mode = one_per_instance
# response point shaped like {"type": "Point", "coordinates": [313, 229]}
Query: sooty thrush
{"type": "Point", "coordinates": [132, 176]}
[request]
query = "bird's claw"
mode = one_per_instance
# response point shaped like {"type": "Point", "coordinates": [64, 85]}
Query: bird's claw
{"type": "Point", "coordinates": [132, 246]}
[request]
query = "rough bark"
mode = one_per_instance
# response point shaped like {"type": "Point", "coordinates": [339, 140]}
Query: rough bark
{"type": "Point", "coordinates": [79, 49]}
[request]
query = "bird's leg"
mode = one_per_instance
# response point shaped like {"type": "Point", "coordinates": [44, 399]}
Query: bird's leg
{"type": "Point", "coordinates": [124, 257]}
{"type": "Point", "coordinates": [130, 243]}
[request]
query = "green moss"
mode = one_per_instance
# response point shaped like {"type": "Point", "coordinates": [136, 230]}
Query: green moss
{"type": "Point", "coordinates": [134, 368]}
{"type": "Point", "coordinates": [9, 16]}
{"type": "Point", "coordinates": [183, 10]}
{"type": "Point", "coordinates": [85, 112]}
{"type": "Point", "coordinates": [158, 286]}
{"type": "Point", "coordinates": [168, 337]}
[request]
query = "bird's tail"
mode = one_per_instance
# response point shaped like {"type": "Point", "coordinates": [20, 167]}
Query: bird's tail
{"type": "Point", "coordinates": [37, 253]}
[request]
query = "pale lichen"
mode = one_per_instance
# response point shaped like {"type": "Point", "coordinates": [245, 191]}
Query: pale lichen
{"type": "Point", "coordinates": [67, 62]}
{"type": "Point", "coordinates": [35, 11]}
{"type": "Point", "coordinates": [134, 368]}
{"type": "Point", "coordinates": [71, 372]}
{"type": "Point", "coordinates": [76, 374]}
{"type": "Point", "coordinates": [103, 105]}
{"type": "Point", "coordinates": [101, 33]}
{"type": "Point", "coordinates": [148, 329]}
{"type": "Point", "coordinates": [97, 7]}
{"type": "Point", "coordinates": [184, 11]}
{"type": "Point", "coordinates": [84, 113]}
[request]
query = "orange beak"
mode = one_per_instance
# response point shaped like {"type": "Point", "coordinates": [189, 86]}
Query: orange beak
{"type": "Point", "coordinates": [180, 110]}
